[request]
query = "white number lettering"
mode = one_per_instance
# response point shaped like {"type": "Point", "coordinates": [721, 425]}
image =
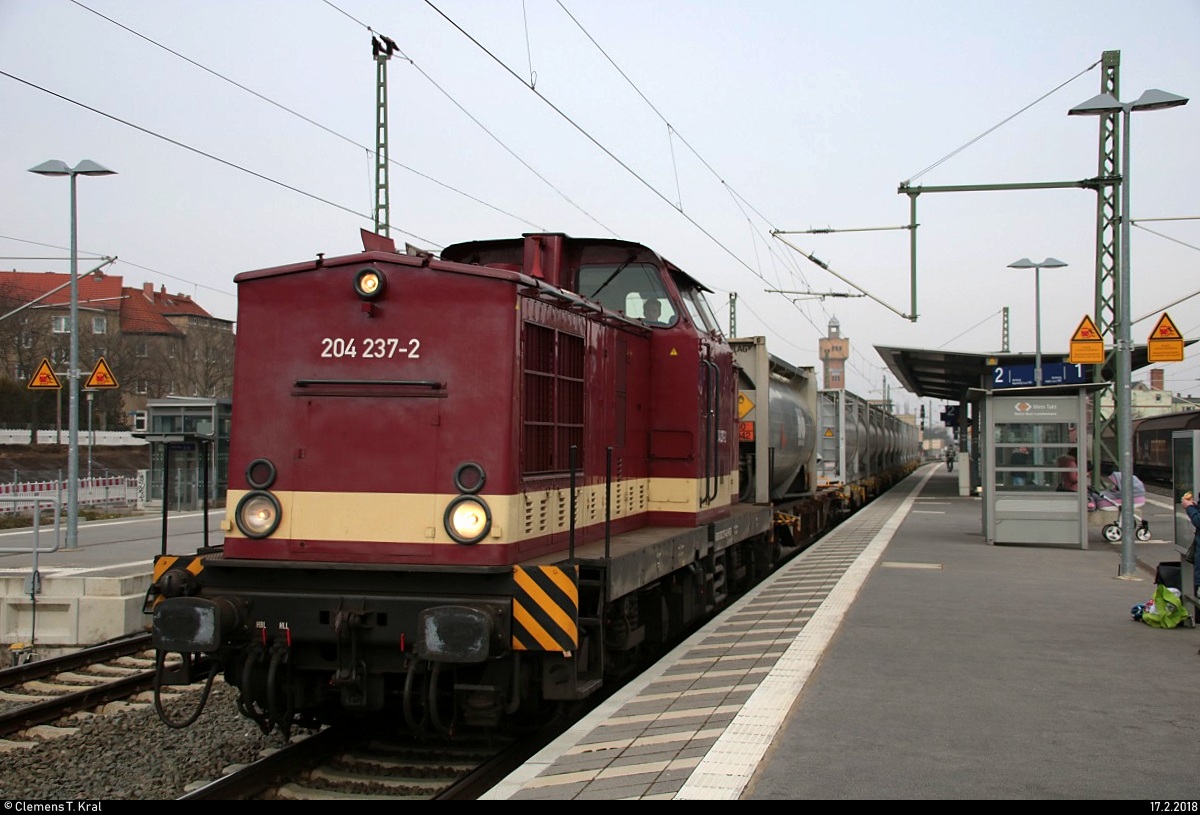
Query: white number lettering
{"type": "Point", "coordinates": [372, 348]}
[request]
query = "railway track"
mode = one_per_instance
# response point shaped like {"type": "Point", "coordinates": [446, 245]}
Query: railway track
{"type": "Point", "coordinates": [337, 764]}
{"type": "Point", "coordinates": [45, 691]}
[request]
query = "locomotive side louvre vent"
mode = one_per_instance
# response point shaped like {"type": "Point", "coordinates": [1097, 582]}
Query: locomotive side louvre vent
{"type": "Point", "coordinates": [563, 508]}
{"type": "Point", "coordinates": [535, 514]}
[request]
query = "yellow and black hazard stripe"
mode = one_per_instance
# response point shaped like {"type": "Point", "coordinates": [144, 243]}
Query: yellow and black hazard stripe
{"type": "Point", "coordinates": [545, 608]}
{"type": "Point", "coordinates": [191, 563]}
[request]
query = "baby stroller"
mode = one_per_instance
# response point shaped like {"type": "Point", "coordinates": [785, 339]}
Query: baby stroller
{"type": "Point", "coordinates": [1110, 501]}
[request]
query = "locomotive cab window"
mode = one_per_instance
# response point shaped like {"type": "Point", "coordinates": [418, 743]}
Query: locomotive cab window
{"type": "Point", "coordinates": [651, 307]}
{"type": "Point", "coordinates": [697, 306]}
{"type": "Point", "coordinates": [616, 285]}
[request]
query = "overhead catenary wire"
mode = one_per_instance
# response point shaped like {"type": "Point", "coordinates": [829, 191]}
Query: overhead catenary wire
{"type": "Point", "coordinates": [97, 256]}
{"type": "Point", "coordinates": [198, 151]}
{"type": "Point", "coordinates": [1000, 124]}
{"type": "Point", "coordinates": [490, 134]}
{"type": "Point", "coordinates": [587, 135]}
{"type": "Point", "coordinates": [311, 121]}
{"type": "Point", "coordinates": [738, 199]}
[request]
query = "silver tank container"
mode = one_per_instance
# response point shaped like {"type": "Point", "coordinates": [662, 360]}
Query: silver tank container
{"type": "Point", "coordinates": [793, 434]}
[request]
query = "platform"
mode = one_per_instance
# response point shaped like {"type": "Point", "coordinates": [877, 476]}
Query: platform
{"type": "Point", "coordinates": [902, 657]}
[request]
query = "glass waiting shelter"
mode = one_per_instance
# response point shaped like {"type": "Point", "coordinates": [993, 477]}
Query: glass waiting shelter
{"type": "Point", "coordinates": [1034, 473]}
{"type": "Point", "coordinates": [1185, 469]}
{"type": "Point", "coordinates": [189, 451]}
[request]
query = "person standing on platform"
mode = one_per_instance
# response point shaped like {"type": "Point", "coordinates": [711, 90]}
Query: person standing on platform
{"type": "Point", "coordinates": [1068, 481]}
{"type": "Point", "coordinates": [1193, 512]}
{"type": "Point", "coordinates": [1019, 456]}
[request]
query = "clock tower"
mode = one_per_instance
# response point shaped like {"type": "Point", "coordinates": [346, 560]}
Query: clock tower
{"type": "Point", "coordinates": [835, 350]}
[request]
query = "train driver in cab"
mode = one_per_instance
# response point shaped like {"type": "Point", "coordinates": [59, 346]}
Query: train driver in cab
{"type": "Point", "coordinates": [652, 311]}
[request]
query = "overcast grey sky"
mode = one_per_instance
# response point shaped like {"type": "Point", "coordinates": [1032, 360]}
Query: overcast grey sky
{"type": "Point", "coordinates": [242, 134]}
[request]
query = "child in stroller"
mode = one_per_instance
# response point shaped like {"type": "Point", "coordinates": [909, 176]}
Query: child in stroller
{"type": "Point", "coordinates": [1109, 500]}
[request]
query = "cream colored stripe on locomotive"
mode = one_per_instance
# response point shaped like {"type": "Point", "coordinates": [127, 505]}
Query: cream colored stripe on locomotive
{"type": "Point", "coordinates": [385, 517]}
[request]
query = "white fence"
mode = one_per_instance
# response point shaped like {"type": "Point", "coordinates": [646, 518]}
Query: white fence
{"type": "Point", "coordinates": [107, 438]}
{"type": "Point", "coordinates": [110, 491]}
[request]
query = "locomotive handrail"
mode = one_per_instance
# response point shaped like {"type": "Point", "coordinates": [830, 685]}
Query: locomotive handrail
{"type": "Point", "coordinates": [420, 383]}
{"type": "Point", "coordinates": [356, 388]}
{"type": "Point", "coordinates": [582, 305]}
{"type": "Point", "coordinates": [712, 378]}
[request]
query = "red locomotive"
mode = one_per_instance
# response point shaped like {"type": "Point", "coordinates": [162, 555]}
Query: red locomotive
{"type": "Point", "coordinates": [463, 487]}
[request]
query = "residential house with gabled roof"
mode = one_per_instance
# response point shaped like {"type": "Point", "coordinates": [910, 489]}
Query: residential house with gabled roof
{"type": "Point", "coordinates": [155, 344]}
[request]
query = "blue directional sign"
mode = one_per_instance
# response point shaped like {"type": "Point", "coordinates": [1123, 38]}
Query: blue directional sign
{"type": "Point", "coordinates": [1053, 373]}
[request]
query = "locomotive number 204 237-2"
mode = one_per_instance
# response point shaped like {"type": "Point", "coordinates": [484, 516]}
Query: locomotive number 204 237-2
{"type": "Point", "coordinates": [370, 348]}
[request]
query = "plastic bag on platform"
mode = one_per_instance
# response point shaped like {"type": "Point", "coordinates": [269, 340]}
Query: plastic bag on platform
{"type": "Point", "coordinates": [1165, 610]}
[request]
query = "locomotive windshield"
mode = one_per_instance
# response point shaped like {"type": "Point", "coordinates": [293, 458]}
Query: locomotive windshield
{"type": "Point", "coordinates": [697, 306]}
{"type": "Point", "coordinates": [622, 287]}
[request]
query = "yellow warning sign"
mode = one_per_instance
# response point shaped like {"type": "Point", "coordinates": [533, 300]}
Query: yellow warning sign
{"type": "Point", "coordinates": [1087, 331]}
{"type": "Point", "coordinates": [102, 376]}
{"type": "Point", "coordinates": [1087, 345]}
{"type": "Point", "coordinates": [1165, 343]}
{"type": "Point", "coordinates": [44, 377]}
{"type": "Point", "coordinates": [744, 405]}
{"type": "Point", "coordinates": [829, 432]}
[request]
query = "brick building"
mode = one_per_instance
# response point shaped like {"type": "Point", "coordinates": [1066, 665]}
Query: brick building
{"type": "Point", "coordinates": [156, 344]}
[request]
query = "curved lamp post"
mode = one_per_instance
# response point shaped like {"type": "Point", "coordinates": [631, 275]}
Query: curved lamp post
{"type": "Point", "coordinates": [85, 167]}
{"type": "Point", "coordinates": [1026, 263]}
{"type": "Point", "coordinates": [1100, 105]}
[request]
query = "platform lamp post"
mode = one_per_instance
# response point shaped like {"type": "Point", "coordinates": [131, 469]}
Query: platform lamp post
{"type": "Point", "coordinates": [85, 167]}
{"type": "Point", "coordinates": [1026, 263]}
{"type": "Point", "coordinates": [1100, 105]}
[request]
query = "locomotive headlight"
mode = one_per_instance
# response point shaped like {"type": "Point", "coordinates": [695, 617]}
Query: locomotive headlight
{"type": "Point", "coordinates": [257, 514]}
{"type": "Point", "coordinates": [369, 283]}
{"type": "Point", "coordinates": [468, 519]}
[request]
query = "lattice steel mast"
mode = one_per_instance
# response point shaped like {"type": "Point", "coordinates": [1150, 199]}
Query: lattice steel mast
{"type": "Point", "coordinates": [382, 47]}
{"type": "Point", "coordinates": [1108, 245]}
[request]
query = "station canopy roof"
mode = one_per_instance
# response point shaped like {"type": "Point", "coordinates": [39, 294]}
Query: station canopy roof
{"type": "Point", "coordinates": [950, 375]}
